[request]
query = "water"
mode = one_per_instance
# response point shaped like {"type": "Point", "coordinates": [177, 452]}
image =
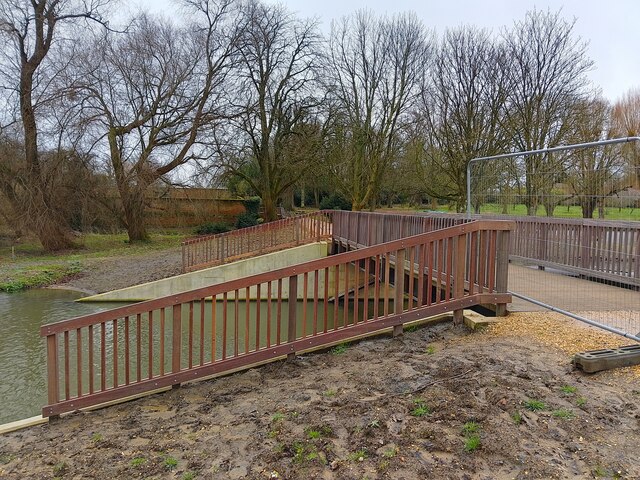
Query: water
{"type": "Point", "coordinates": [23, 389]}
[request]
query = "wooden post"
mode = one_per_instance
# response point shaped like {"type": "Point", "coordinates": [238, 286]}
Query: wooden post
{"type": "Point", "coordinates": [53, 386]}
{"type": "Point", "coordinates": [176, 345]}
{"type": "Point", "coordinates": [293, 310]}
{"type": "Point", "coordinates": [502, 269]}
{"type": "Point", "coordinates": [398, 301]}
{"type": "Point", "coordinates": [458, 277]}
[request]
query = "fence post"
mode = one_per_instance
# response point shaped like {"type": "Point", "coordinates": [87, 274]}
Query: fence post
{"type": "Point", "coordinates": [293, 310]}
{"type": "Point", "coordinates": [176, 344]}
{"type": "Point", "coordinates": [53, 387]}
{"type": "Point", "coordinates": [398, 301]}
{"type": "Point", "coordinates": [502, 269]}
{"type": "Point", "coordinates": [458, 274]}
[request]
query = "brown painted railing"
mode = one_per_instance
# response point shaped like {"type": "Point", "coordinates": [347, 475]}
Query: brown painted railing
{"type": "Point", "coordinates": [211, 250]}
{"type": "Point", "coordinates": [138, 348]}
{"type": "Point", "coordinates": [605, 249]}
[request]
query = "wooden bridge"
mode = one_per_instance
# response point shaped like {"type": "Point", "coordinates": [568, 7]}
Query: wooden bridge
{"type": "Point", "coordinates": [359, 289]}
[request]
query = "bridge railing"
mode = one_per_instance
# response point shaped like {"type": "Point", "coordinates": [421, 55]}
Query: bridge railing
{"type": "Point", "coordinates": [138, 348]}
{"type": "Point", "coordinates": [604, 249]}
{"type": "Point", "coordinates": [211, 250]}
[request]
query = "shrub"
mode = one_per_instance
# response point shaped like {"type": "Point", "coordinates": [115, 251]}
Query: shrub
{"type": "Point", "coordinates": [335, 202]}
{"type": "Point", "coordinates": [246, 219]}
{"type": "Point", "coordinates": [252, 206]}
{"type": "Point", "coordinates": [212, 228]}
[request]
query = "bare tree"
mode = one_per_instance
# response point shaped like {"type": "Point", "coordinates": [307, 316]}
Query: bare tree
{"type": "Point", "coordinates": [154, 95]}
{"type": "Point", "coordinates": [547, 69]}
{"type": "Point", "coordinates": [276, 100]}
{"type": "Point", "coordinates": [461, 112]}
{"type": "Point", "coordinates": [31, 29]}
{"type": "Point", "coordinates": [626, 122]}
{"type": "Point", "coordinates": [376, 67]}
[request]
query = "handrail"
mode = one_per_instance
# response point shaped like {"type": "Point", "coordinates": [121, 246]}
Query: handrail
{"type": "Point", "coordinates": [210, 250]}
{"type": "Point", "coordinates": [166, 341]}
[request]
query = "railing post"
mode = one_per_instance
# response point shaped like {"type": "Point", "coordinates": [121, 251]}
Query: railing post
{"type": "Point", "coordinates": [398, 301]}
{"type": "Point", "coordinates": [502, 269]}
{"type": "Point", "coordinates": [176, 344]}
{"type": "Point", "coordinates": [293, 310]}
{"type": "Point", "coordinates": [53, 386]}
{"type": "Point", "coordinates": [296, 228]}
{"type": "Point", "coordinates": [458, 276]}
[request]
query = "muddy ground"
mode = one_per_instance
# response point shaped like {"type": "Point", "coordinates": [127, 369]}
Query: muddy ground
{"type": "Point", "coordinates": [438, 402]}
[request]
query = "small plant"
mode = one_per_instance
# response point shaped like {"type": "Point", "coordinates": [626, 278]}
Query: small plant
{"type": "Point", "coordinates": [472, 443]}
{"type": "Point", "coordinates": [313, 434]}
{"type": "Point", "coordinates": [581, 401]}
{"type": "Point", "coordinates": [374, 424]}
{"type": "Point", "coordinates": [535, 405]}
{"type": "Point", "coordinates": [96, 437]}
{"type": "Point", "coordinates": [138, 461]}
{"type": "Point", "coordinates": [411, 328]}
{"type": "Point", "coordinates": [569, 389]}
{"type": "Point", "coordinates": [330, 393]}
{"type": "Point", "coordinates": [390, 452]}
{"type": "Point", "coordinates": [170, 463]}
{"type": "Point", "coordinates": [430, 350]}
{"type": "Point", "coordinates": [358, 456]}
{"type": "Point", "coordinates": [212, 228]}
{"type": "Point", "coordinates": [516, 417]}
{"type": "Point", "coordinates": [277, 417]}
{"type": "Point", "coordinates": [470, 428]}
{"type": "Point", "coordinates": [421, 408]}
{"type": "Point", "coordinates": [563, 413]}
{"type": "Point", "coordinates": [188, 476]}
{"type": "Point", "coordinates": [339, 349]}
{"type": "Point", "coordinates": [273, 433]}
{"type": "Point", "coordinates": [59, 468]}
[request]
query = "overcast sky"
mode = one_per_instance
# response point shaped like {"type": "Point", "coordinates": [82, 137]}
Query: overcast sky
{"type": "Point", "coordinates": [611, 29]}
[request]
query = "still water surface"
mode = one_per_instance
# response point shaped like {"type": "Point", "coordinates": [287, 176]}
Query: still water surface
{"type": "Point", "coordinates": [23, 378]}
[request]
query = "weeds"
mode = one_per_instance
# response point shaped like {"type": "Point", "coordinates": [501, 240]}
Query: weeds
{"type": "Point", "coordinates": [313, 434]}
{"type": "Point", "coordinates": [569, 390]}
{"type": "Point", "coordinates": [97, 437]}
{"type": "Point", "coordinates": [339, 349]}
{"type": "Point", "coordinates": [170, 463]}
{"type": "Point", "coordinates": [563, 413]}
{"type": "Point", "coordinates": [581, 401]}
{"type": "Point", "coordinates": [535, 405]}
{"type": "Point", "coordinates": [357, 456]}
{"type": "Point", "coordinates": [59, 468]}
{"type": "Point", "coordinates": [138, 462]}
{"type": "Point", "coordinates": [516, 417]}
{"type": "Point", "coordinates": [330, 393]}
{"type": "Point", "coordinates": [188, 476]}
{"type": "Point", "coordinates": [421, 408]}
{"type": "Point", "coordinates": [472, 443]}
{"type": "Point", "coordinates": [277, 417]}
{"type": "Point", "coordinates": [430, 350]}
{"type": "Point", "coordinates": [470, 428]}
{"type": "Point", "coordinates": [411, 328]}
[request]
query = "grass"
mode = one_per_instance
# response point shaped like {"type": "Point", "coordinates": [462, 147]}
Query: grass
{"type": "Point", "coordinates": [516, 417]}
{"type": "Point", "coordinates": [170, 463]}
{"type": "Point", "coordinates": [430, 350]}
{"type": "Point", "coordinates": [472, 443]}
{"type": "Point", "coordinates": [138, 462]}
{"type": "Point", "coordinates": [420, 409]}
{"type": "Point", "coordinates": [277, 417]}
{"type": "Point", "coordinates": [188, 476]}
{"type": "Point", "coordinates": [411, 328]}
{"type": "Point", "coordinates": [28, 266]}
{"type": "Point", "coordinates": [581, 401]}
{"type": "Point", "coordinates": [563, 413]}
{"type": "Point", "coordinates": [470, 428]}
{"type": "Point", "coordinates": [569, 389]}
{"type": "Point", "coordinates": [574, 211]}
{"type": "Point", "coordinates": [535, 405]}
{"type": "Point", "coordinates": [358, 455]}
{"type": "Point", "coordinates": [313, 434]}
{"type": "Point", "coordinates": [339, 349]}
{"type": "Point", "coordinates": [97, 437]}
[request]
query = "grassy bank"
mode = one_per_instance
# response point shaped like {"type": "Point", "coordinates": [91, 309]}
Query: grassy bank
{"type": "Point", "coordinates": [26, 265]}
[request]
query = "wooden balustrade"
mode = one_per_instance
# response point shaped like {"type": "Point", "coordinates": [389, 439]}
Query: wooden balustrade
{"type": "Point", "coordinates": [138, 348]}
{"type": "Point", "coordinates": [210, 250]}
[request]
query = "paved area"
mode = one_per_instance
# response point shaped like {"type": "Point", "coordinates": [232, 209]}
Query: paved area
{"type": "Point", "coordinates": [615, 306]}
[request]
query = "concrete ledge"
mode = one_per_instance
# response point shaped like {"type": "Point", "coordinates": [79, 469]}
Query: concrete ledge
{"type": "Point", "coordinates": [20, 424]}
{"type": "Point", "coordinates": [597, 360]}
{"type": "Point", "coordinates": [476, 321]}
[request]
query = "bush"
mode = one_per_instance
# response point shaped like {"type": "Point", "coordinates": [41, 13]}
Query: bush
{"type": "Point", "coordinates": [212, 228]}
{"type": "Point", "coordinates": [252, 205]}
{"type": "Point", "coordinates": [246, 219]}
{"type": "Point", "coordinates": [335, 202]}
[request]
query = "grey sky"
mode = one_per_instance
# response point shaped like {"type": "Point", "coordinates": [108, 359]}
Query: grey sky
{"type": "Point", "coordinates": [611, 30]}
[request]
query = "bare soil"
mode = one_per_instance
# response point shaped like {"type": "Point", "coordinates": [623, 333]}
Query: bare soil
{"type": "Point", "coordinates": [397, 408]}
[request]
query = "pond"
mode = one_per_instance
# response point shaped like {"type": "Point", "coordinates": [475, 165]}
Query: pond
{"type": "Point", "coordinates": [23, 389]}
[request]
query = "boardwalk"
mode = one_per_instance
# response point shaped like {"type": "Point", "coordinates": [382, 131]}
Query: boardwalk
{"type": "Point", "coordinates": [619, 307]}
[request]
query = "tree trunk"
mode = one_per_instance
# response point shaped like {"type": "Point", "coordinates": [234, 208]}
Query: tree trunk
{"type": "Point", "coordinates": [269, 206]}
{"type": "Point", "coordinates": [588, 206]}
{"type": "Point", "coordinates": [133, 205]}
{"type": "Point", "coordinates": [42, 217]}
